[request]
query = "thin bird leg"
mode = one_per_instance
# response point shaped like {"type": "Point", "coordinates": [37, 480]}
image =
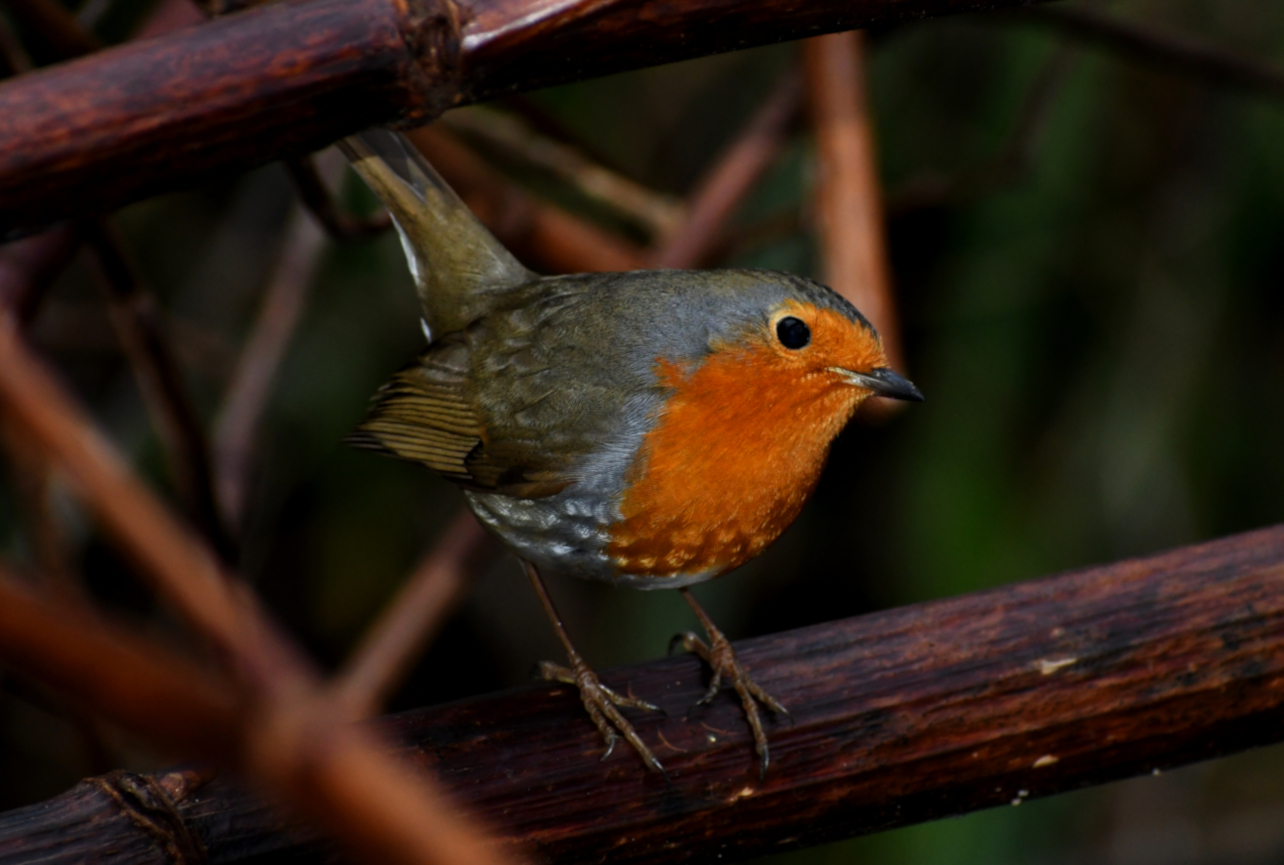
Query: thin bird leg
{"type": "Point", "coordinates": [721, 658]}
{"type": "Point", "coordinates": [598, 699]}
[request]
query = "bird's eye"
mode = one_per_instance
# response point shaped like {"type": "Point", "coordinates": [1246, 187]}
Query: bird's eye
{"type": "Point", "coordinates": [793, 332]}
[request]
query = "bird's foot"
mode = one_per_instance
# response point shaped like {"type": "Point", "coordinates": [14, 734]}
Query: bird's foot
{"type": "Point", "coordinates": [601, 703]}
{"type": "Point", "coordinates": [722, 660]}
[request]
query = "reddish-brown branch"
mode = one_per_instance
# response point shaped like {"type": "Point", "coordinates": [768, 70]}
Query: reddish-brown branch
{"type": "Point", "coordinates": [1179, 53]}
{"type": "Point", "coordinates": [29, 266]}
{"type": "Point", "coordinates": [247, 393]}
{"type": "Point", "coordinates": [731, 178]}
{"type": "Point", "coordinates": [56, 24]}
{"type": "Point", "coordinates": [336, 774]}
{"type": "Point", "coordinates": [546, 237]}
{"type": "Point", "coordinates": [34, 480]}
{"type": "Point", "coordinates": [391, 646]}
{"type": "Point", "coordinates": [848, 200]}
{"type": "Point", "coordinates": [285, 79]}
{"type": "Point", "coordinates": [319, 201]}
{"type": "Point", "coordinates": [136, 682]}
{"type": "Point", "coordinates": [143, 334]}
{"type": "Point", "coordinates": [1013, 160]}
{"type": "Point", "coordinates": [899, 717]}
{"type": "Point", "coordinates": [506, 139]}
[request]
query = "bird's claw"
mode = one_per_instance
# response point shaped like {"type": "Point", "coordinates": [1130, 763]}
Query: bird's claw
{"type": "Point", "coordinates": [600, 702]}
{"type": "Point", "coordinates": [722, 661]}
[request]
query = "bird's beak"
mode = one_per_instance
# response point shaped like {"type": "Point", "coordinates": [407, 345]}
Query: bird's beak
{"type": "Point", "coordinates": [883, 382]}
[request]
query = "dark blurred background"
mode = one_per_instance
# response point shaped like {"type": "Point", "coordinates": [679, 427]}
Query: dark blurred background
{"type": "Point", "coordinates": [1097, 323]}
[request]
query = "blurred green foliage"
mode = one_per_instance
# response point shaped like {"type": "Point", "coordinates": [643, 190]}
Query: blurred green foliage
{"type": "Point", "coordinates": [1099, 332]}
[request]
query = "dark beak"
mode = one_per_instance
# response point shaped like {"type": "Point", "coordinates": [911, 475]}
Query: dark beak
{"type": "Point", "coordinates": [885, 382]}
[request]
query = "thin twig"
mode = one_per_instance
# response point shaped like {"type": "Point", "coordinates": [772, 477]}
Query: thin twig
{"type": "Point", "coordinates": [546, 237]}
{"type": "Point", "coordinates": [848, 199]}
{"type": "Point", "coordinates": [57, 25]}
{"type": "Point", "coordinates": [317, 198]}
{"type": "Point", "coordinates": [1013, 160]}
{"type": "Point", "coordinates": [733, 175]}
{"type": "Point", "coordinates": [13, 53]}
{"type": "Point", "coordinates": [548, 124]}
{"type": "Point", "coordinates": [134, 681]}
{"type": "Point", "coordinates": [142, 333]}
{"type": "Point", "coordinates": [28, 267]}
{"type": "Point", "coordinates": [236, 428]}
{"type": "Point", "coordinates": [1178, 53]}
{"type": "Point", "coordinates": [511, 141]}
{"type": "Point", "coordinates": [391, 646]}
{"type": "Point", "coordinates": [35, 482]}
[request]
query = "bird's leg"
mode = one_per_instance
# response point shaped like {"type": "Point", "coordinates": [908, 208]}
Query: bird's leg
{"type": "Point", "coordinates": [721, 658]}
{"type": "Point", "coordinates": [598, 699]}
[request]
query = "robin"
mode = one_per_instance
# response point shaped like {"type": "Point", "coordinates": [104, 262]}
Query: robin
{"type": "Point", "coordinates": [653, 429]}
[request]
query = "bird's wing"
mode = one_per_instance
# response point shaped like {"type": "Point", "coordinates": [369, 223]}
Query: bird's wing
{"type": "Point", "coordinates": [423, 414]}
{"type": "Point", "coordinates": [427, 413]}
{"type": "Point", "coordinates": [517, 402]}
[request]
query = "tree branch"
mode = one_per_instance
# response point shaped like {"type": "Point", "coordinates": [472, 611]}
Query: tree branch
{"type": "Point", "coordinates": [898, 717]}
{"type": "Point", "coordinates": [237, 425]}
{"type": "Point", "coordinates": [393, 643]}
{"type": "Point", "coordinates": [143, 335]}
{"type": "Point", "coordinates": [506, 139]}
{"type": "Point", "coordinates": [1178, 53]}
{"type": "Point", "coordinates": [731, 178]}
{"type": "Point", "coordinates": [319, 201]}
{"type": "Point", "coordinates": [285, 79]}
{"type": "Point", "coordinates": [546, 237]}
{"type": "Point", "coordinates": [848, 198]}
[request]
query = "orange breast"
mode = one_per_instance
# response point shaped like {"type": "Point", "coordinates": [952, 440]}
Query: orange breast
{"type": "Point", "coordinates": [729, 464]}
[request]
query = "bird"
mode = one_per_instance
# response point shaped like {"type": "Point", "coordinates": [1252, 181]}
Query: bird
{"type": "Point", "coordinates": [652, 429]}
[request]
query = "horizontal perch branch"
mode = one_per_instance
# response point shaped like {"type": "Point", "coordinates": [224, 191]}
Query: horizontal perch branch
{"type": "Point", "coordinates": [281, 80]}
{"type": "Point", "coordinates": [898, 717]}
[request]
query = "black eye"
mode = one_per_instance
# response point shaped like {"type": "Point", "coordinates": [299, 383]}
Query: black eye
{"type": "Point", "coordinates": [793, 332]}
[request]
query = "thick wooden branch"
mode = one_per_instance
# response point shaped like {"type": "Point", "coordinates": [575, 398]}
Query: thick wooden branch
{"type": "Point", "coordinates": [899, 717]}
{"type": "Point", "coordinates": [288, 78]}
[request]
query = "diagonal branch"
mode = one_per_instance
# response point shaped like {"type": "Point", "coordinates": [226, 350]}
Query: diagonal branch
{"type": "Point", "coordinates": [320, 202]}
{"type": "Point", "coordinates": [546, 237]}
{"type": "Point", "coordinates": [731, 178]}
{"type": "Point", "coordinates": [132, 680]}
{"type": "Point", "coordinates": [247, 393]}
{"type": "Point", "coordinates": [508, 141]}
{"type": "Point", "coordinates": [392, 645]}
{"type": "Point", "coordinates": [1179, 53]}
{"type": "Point", "coordinates": [142, 332]}
{"type": "Point", "coordinates": [28, 267]}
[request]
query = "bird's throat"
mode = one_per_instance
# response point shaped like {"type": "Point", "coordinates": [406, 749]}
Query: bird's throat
{"type": "Point", "coordinates": [728, 465]}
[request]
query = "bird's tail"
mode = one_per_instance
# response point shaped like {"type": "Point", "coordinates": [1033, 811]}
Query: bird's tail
{"type": "Point", "coordinates": [455, 261]}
